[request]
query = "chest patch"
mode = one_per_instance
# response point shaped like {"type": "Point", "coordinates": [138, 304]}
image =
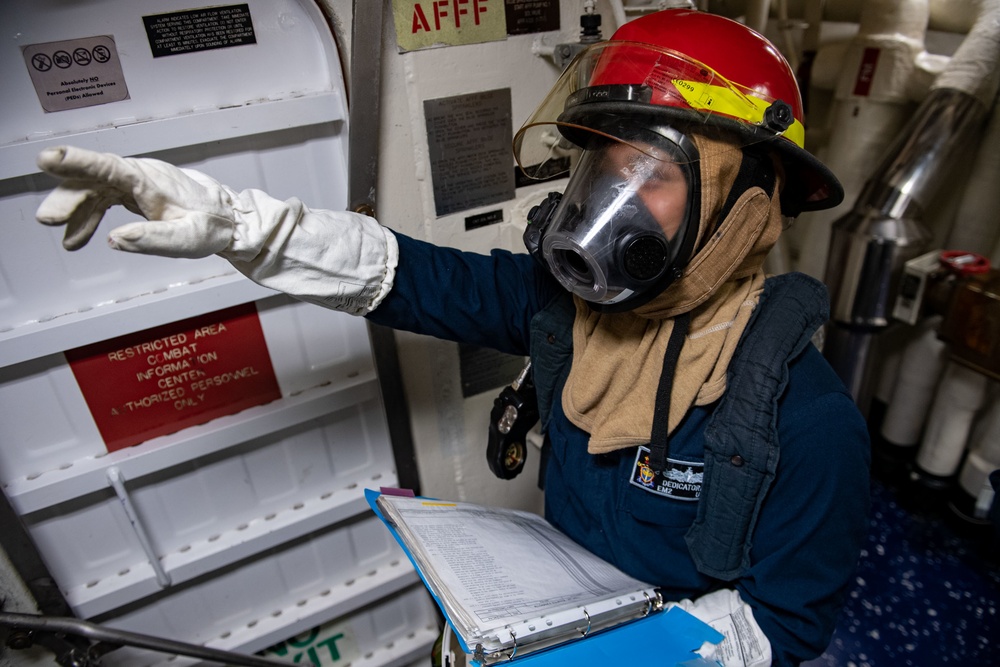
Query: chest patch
{"type": "Point", "coordinates": [680, 480]}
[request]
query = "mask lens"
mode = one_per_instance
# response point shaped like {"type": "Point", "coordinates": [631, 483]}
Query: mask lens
{"type": "Point", "coordinates": [617, 228]}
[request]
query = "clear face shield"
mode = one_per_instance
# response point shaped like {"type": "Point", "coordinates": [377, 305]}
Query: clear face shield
{"type": "Point", "coordinates": [625, 219]}
{"type": "Point", "coordinates": [610, 85]}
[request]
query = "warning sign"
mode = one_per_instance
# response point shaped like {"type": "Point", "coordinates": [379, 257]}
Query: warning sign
{"type": "Point", "coordinates": [162, 380]}
{"type": "Point", "coordinates": [422, 24]}
{"type": "Point", "coordinates": [76, 73]}
{"type": "Point", "coordinates": [199, 30]}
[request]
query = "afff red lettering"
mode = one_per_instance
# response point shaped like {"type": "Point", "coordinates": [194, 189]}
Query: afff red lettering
{"type": "Point", "coordinates": [419, 20]}
{"type": "Point", "coordinates": [440, 11]}
{"type": "Point", "coordinates": [452, 10]}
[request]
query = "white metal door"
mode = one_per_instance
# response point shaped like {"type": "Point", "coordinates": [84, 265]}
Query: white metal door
{"type": "Point", "coordinates": [247, 526]}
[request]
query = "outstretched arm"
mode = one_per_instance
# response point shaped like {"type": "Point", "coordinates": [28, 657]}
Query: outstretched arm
{"type": "Point", "coordinates": [335, 259]}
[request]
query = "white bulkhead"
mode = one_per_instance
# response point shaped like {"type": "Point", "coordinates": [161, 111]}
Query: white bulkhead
{"type": "Point", "coordinates": [186, 450]}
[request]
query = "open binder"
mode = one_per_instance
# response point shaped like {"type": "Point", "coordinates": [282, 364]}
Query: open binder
{"type": "Point", "coordinates": [513, 587]}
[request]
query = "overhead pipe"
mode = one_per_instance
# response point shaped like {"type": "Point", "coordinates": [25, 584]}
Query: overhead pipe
{"type": "Point", "coordinates": [870, 245]}
{"type": "Point", "coordinates": [874, 95]}
{"type": "Point", "coordinates": [975, 227]}
{"type": "Point", "coordinates": [618, 13]}
{"type": "Point", "coordinates": [955, 16]}
{"type": "Point", "coordinates": [622, 11]}
{"type": "Point", "coordinates": [756, 14]}
{"type": "Point", "coordinates": [812, 32]}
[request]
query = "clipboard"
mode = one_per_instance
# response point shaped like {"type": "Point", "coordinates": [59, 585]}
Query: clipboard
{"type": "Point", "coordinates": [671, 636]}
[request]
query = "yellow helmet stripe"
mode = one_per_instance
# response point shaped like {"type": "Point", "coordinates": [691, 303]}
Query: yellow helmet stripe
{"type": "Point", "coordinates": [726, 100]}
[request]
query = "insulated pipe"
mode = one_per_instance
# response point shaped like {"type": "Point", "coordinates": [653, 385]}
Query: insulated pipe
{"type": "Point", "coordinates": [886, 457]}
{"type": "Point", "coordinates": [870, 245]}
{"type": "Point", "coordinates": [811, 34]}
{"type": "Point", "coordinates": [973, 68]}
{"type": "Point", "coordinates": [975, 227]}
{"type": "Point", "coordinates": [959, 396]}
{"type": "Point", "coordinates": [920, 368]}
{"type": "Point", "coordinates": [812, 14]}
{"type": "Point", "coordinates": [757, 13]}
{"type": "Point", "coordinates": [890, 359]}
{"type": "Point", "coordinates": [955, 15]}
{"type": "Point", "coordinates": [983, 458]}
{"type": "Point", "coordinates": [947, 15]}
{"type": "Point", "coordinates": [871, 102]}
{"type": "Point", "coordinates": [620, 10]}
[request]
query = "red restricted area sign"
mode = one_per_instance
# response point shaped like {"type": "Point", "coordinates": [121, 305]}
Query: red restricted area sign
{"type": "Point", "coordinates": [165, 379]}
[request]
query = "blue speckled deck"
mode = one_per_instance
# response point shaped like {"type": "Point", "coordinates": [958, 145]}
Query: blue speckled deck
{"type": "Point", "coordinates": [922, 596]}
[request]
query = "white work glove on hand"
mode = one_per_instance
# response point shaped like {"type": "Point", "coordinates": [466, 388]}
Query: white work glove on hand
{"type": "Point", "coordinates": [336, 259]}
{"type": "Point", "coordinates": [745, 644]}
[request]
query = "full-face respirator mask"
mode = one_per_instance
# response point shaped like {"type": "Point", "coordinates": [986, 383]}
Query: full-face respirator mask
{"type": "Point", "coordinates": [626, 223]}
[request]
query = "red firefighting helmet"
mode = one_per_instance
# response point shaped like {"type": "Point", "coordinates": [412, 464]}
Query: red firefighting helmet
{"type": "Point", "coordinates": [686, 70]}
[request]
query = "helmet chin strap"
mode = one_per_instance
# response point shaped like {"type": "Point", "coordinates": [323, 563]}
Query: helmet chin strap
{"type": "Point", "coordinates": [659, 439]}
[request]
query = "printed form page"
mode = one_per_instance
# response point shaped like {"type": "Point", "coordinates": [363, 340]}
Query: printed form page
{"type": "Point", "coordinates": [503, 565]}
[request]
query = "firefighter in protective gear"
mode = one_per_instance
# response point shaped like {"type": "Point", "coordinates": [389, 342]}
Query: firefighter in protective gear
{"type": "Point", "coordinates": [695, 438]}
{"type": "Point", "coordinates": [645, 106]}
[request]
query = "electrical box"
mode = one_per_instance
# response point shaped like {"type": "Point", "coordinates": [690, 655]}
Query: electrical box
{"type": "Point", "coordinates": [908, 306]}
{"type": "Point", "coordinates": [188, 450]}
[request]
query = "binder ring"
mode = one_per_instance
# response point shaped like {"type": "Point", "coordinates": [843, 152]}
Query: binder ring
{"type": "Point", "coordinates": [649, 604]}
{"type": "Point", "coordinates": [587, 631]}
{"type": "Point", "coordinates": [514, 652]}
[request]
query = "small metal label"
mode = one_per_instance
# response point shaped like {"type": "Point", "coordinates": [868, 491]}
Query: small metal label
{"type": "Point", "coordinates": [199, 30]}
{"type": "Point", "coordinates": [76, 73]}
{"type": "Point", "coordinates": [527, 16]}
{"type": "Point", "coordinates": [483, 219]}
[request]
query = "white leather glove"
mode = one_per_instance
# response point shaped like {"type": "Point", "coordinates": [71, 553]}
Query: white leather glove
{"type": "Point", "coordinates": [745, 644]}
{"type": "Point", "coordinates": [336, 259]}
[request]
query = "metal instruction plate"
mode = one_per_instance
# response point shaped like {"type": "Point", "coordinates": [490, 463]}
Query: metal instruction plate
{"type": "Point", "coordinates": [469, 139]}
